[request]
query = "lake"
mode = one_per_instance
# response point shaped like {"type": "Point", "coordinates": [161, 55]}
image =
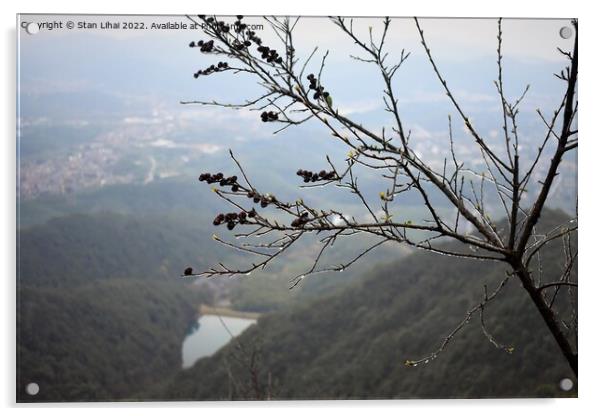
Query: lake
{"type": "Point", "coordinates": [209, 334]}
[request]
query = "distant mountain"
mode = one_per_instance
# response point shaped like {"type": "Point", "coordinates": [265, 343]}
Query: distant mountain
{"type": "Point", "coordinates": [352, 344]}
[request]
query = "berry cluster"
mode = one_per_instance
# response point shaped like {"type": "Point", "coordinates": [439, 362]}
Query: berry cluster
{"type": "Point", "coordinates": [232, 218]}
{"type": "Point", "coordinates": [222, 26]}
{"type": "Point", "coordinates": [239, 46]}
{"type": "Point", "coordinates": [221, 66]}
{"type": "Point", "coordinates": [309, 176]}
{"type": "Point", "coordinates": [262, 200]}
{"type": "Point", "coordinates": [238, 25]}
{"type": "Point", "coordinates": [270, 55]}
{"type": "Point", "coordinates": [319, 90]}
{"type": "Point", "coordinates": [268, 116]}
{"type": "Point", "coordinates": [209, 178]}
{"type": "Point", "coordinates": [223, 181]}
{"type": "Point", "coordinates": [300, 221]}
{"type": "Point", "coordinates": [205, 46]}
{"type": "Point", "coordinates": [252, 37]}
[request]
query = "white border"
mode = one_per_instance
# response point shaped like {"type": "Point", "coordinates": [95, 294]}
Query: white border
{"type": "Point", "coordinates": [589, 153]}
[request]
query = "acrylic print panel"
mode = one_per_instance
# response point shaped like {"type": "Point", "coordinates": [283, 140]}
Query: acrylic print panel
{"type": "Point", "coordinates": [250, 208]}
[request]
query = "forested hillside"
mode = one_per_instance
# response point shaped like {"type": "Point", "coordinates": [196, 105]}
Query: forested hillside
{"type": "Point", "coordinates": [79, 248]}
{"type": "Point", "coordinates": [106, 340]}
{"type": "Point", "coordinates": [101, 310]}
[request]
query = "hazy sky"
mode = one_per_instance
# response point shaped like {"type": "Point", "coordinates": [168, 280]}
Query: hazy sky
{"type": "Point", "coordinates": [87, 56]}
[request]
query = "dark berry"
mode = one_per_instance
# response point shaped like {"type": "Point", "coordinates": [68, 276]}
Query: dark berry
{"type": "Point", "coordinates": [218, 220]}
{"type": "Point", "coordinates": [188, 271]}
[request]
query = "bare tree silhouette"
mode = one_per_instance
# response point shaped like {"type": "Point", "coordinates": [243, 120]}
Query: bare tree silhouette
{"type": "Point", "coordinates": [290, 98]}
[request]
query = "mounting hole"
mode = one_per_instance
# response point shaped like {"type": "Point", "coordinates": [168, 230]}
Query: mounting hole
{"type": "Point", "coordinates": [32, 389]}
{"type": "Point", "coordinates": [566, 32]}
{"type": "Point", "coordinates": [566, 384]}
{"type": "Point", "coordinates": [32, 28]}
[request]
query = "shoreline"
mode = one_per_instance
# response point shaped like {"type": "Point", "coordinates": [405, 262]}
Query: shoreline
{"type": "Point", "coordinates": [213, 310]}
